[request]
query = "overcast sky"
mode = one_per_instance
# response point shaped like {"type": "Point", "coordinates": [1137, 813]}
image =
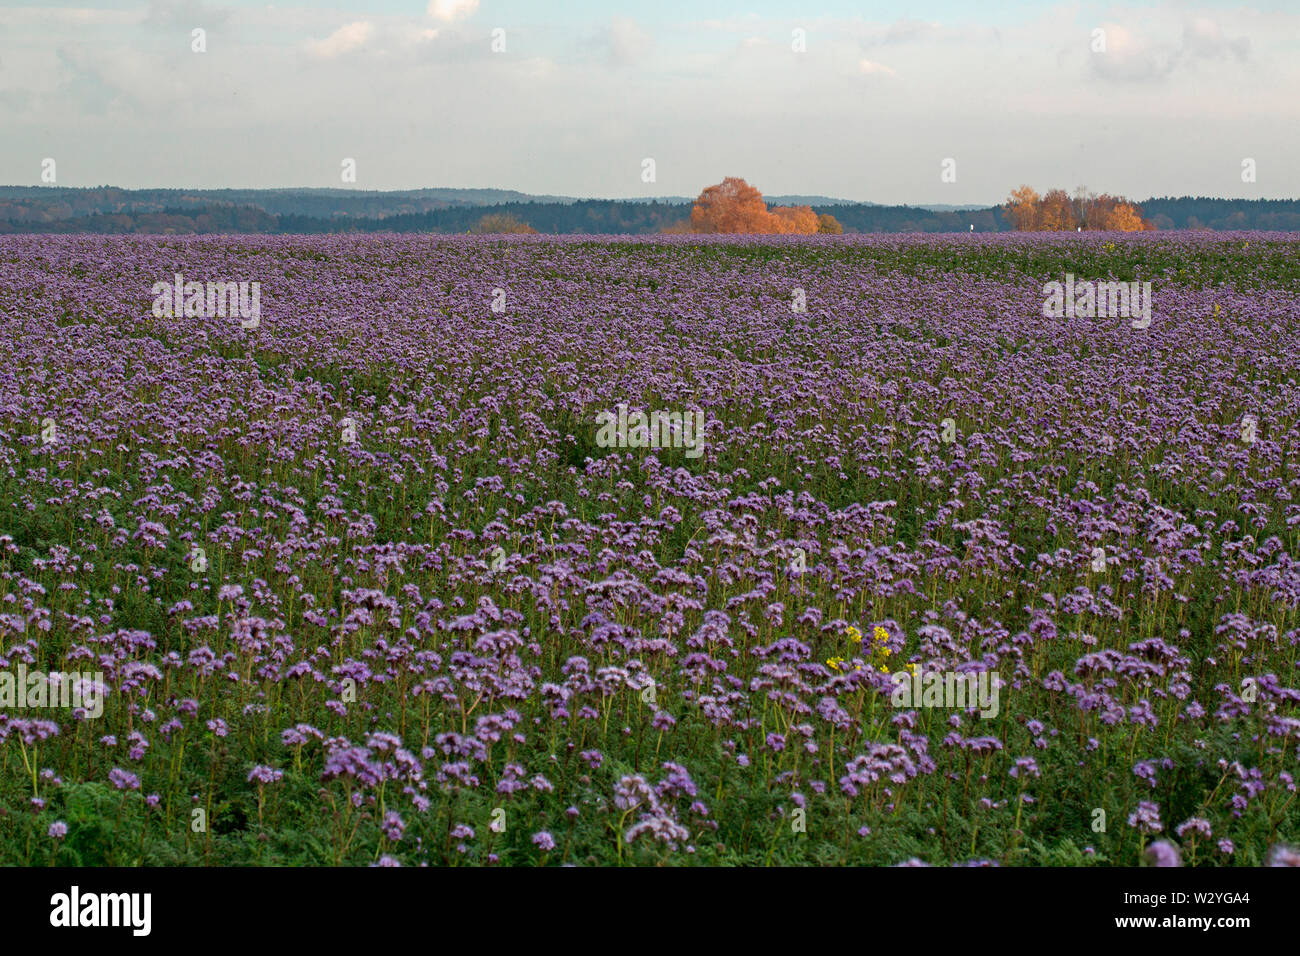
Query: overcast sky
{"type": "Point", "coordinates": [586, 90]}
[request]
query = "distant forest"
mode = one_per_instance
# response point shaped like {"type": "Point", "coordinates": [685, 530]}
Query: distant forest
{"type": "Point", "coordinates": [53, 209]}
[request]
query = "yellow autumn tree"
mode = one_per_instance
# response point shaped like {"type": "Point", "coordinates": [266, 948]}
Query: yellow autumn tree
{"type": "Point", "coordinates": [502, 222]}
{"type": "Point", "coordinates": [1056, 211]}
{"type": "Point", "coordinates": [799, 220]}
{"type": "Point", "coordinates": [829, 225]}
{"type": "Point", "coordinates": [1022, 208]}
{"type": "Point", "coordinates": [1125, 218]}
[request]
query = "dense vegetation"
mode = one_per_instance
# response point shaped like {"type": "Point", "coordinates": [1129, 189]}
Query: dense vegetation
{"type": "Point", "coordinates": [301, 211]}
{"type": "Point", "coordinates": [365, 585]}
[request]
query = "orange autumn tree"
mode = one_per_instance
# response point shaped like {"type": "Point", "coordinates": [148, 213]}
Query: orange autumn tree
{"type": "Point", "coordinates": [731, 206]}
{"type": "Point", "coordinates": [734, 206]}
{"type": "Point", "coordinates": [1126, 218]}
{"type": "Point", "coordinates": [1056, 211]}
{"type": "Point", "coordinates": [502, 222]}
{"type": "Point", "coordinates": [800, 220]}
{"type": "Point", "coordinates": [1111, 213]}
{"type": "Point", "coordinates": [829, 225]}
{"type": "Point", "coordinates": [1022, 208]}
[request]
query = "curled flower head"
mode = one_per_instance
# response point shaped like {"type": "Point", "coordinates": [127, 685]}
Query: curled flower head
{"type": "Point", "coordinates": [1282, 855]}
{"type": "Point", "coordinates": [123, 780]}
{"type": "Point", "coordinates": [262, 774]}
{"type": "Point", "coordinates": [1162, 853]}
{"type": "Point", "coordinates": [1146, 818]}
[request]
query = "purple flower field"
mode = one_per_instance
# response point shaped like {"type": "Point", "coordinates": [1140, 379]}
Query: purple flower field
{"type": "Point", "coordinates": [423, 562]}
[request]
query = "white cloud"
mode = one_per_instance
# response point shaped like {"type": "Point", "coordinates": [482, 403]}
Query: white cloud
{"type": "Point", "coordinates": [343, 40]}
{"type": "Point", "coordinates": [904, 31]}
{"type": "Point", "coordinates": [537, 67]}
{"type": "Point", "coordinates": [16, 16]}
{"type": "Point", "coordinates": [1135, 120]}
{"type": "Point", "coordinates": [1129, 56]}
{"type": "Point", "coordinates": [626, 41]}
{"type": "Point", "coordinates": [448, 10]}
{"type": "Point", "coordinates": [866, 66]}
{"type": "Point", "coordinates": [185, 13]}
{"type": "Point", "coordinates": [1203, 37]}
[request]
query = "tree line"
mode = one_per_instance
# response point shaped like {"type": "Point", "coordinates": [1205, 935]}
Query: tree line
{"type": "Point", "coordinates": [1058, 211]}
{"type": "Point", "coordinates": [51, 211]}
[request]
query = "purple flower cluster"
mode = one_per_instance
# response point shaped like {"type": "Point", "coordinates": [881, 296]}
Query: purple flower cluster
{"type": "Point", "coordinates": [372, 547]}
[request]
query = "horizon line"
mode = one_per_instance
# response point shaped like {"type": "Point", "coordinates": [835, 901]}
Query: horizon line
{"type": "Point", "coordinates": [549, 198]}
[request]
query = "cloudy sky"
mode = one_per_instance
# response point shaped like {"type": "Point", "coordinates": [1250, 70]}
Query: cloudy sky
{"type": "Point", "coordinates": [861, 100]}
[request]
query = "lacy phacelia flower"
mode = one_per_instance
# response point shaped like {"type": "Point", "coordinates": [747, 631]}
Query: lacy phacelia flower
{"type": "Point", "coordinates": [1162, 853]}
